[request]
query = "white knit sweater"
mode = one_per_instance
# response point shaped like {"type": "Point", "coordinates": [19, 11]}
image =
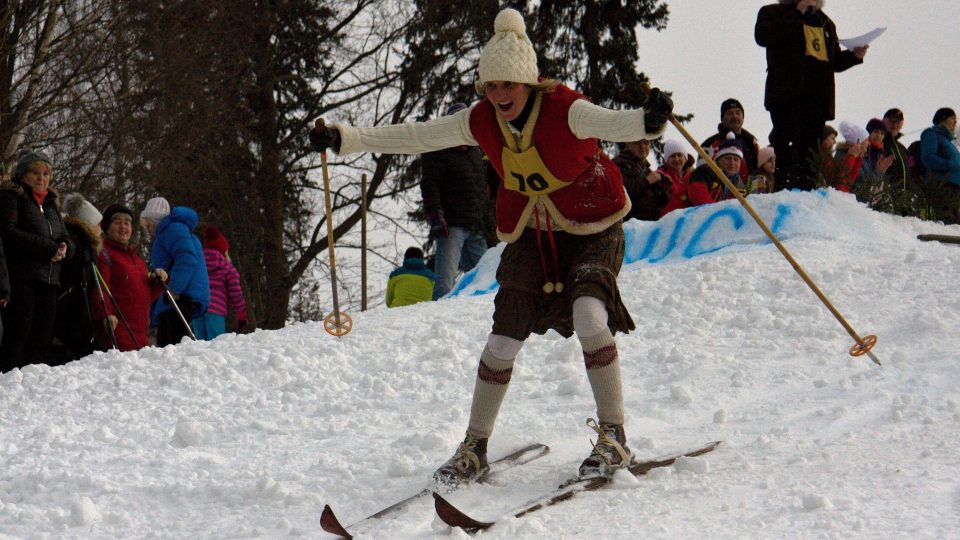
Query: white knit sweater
{"type": "Point", "coordinates": [585, 119]}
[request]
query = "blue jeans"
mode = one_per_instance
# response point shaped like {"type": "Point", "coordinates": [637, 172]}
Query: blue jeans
{"type": "Point", "coordinates": [460, 250]}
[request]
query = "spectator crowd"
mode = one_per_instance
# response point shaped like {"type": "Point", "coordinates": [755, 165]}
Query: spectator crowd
{"type": "Point", "coordinates": [73, 281]}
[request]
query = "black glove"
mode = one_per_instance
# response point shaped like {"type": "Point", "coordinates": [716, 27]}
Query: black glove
{"type": "Point", "coordinates": [438, 225]}
{"type": "Point", "coordinates": [322, 137]}
{"type": "Point", "coordinates": [656, 110]}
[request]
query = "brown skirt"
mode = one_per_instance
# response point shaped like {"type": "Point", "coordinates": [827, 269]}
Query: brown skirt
{"type": "Point", "coordinates": [588, 266]}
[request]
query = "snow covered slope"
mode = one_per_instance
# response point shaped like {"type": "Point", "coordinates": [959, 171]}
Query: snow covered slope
{"type": "Point", "coordinates": [249, 436]}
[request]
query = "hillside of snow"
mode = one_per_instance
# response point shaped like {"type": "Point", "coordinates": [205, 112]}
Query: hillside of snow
{"type": "Point", "coordinates": [249, 436]}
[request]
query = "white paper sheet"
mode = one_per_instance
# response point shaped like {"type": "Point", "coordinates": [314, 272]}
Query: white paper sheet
{"type": "Point", "coordinates": [860, 41]}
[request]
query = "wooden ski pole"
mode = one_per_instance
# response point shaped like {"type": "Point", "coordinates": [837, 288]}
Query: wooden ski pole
{"type": "Point", "coordinates": [863, 345]}
{"type": "Point", "coordinates": [337, 323]}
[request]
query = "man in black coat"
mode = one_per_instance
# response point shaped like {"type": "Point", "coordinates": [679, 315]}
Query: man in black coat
{"type": "Point", "coordinates": [453, 186]}
{"type": "Point", "coordinates": [648, 190]}
{"type": "Point", "coordinates": [731, 121]}
{"type": "Point", "coordinates": [803, 53]}
{"type": "Point", "coordinates": [899, 173]}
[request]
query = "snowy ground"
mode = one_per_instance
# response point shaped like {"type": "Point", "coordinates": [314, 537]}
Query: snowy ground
{"type": "Point", "coordinates": [249, 436]}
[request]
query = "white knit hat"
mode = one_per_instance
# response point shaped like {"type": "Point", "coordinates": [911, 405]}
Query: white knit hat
{"type": "Point", "coordinates": [75, 206]}
{"type": "Point", "coordinates": [853, 133]}
{"type": "Point", "coordinates": [156, 209]}
{"type": "Point", "coordinates": [673, 146]}
{"type": "Point", "coordinates": [509, 56]}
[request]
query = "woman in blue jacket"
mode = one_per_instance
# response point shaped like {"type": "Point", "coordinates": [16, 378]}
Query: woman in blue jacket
{"type": "Point", "coordinates": [941, 158]}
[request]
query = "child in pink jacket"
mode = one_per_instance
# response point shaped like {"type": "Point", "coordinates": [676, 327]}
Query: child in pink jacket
{"type": "Point", "coordinates": [224, 288]}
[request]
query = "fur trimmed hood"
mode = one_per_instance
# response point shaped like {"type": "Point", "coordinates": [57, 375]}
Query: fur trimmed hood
{"type": "Point", "coordinates": [21, 190]}
{"type": "Point", "coordinates": [84, 234]}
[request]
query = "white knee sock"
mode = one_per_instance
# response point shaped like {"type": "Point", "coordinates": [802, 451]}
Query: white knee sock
{"type": "Point", "coordinates": [600, 357]}
{"type": "Point", "coordinates": [493, 378]}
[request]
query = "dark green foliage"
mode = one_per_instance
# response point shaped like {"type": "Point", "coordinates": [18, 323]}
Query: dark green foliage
{"type": "Point", "coordinates": [592, 45]}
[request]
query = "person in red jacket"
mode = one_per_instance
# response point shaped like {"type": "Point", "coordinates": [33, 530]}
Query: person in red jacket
{"type": "Point", "coordinates": [560, 206]}
{"type": "Point", "coordinates": [704, 187]}
{"type": "Point", "coordinates": [841, 167]}
{"type": "Point", "coordinates": [125, 277]}
{"type": "Point", "coordinates": [676, 168]}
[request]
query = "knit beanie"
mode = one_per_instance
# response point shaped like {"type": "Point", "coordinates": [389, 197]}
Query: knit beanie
{"type": "Point", "coordinates": [938, 117]}
{"type": "Point", "coordinates": [728, 104]}
{"type": "Point", "coordinates": [112, 211]}
{"type": "Point", "coordinates": [853, 133]}
{"type": "Point", "coordinates": [26, 157]}
{"type": "Point", "coordinates": [75, 206]}
{"type": "Point", "coordinates": [214, 239]}
{"type": "Point", "coordinates": [413, 253]}
{"type": "Point", "coordinates": [875, 124]}
{"type": "Point", "coordinates": [673, 146]}
{"type": "Point", "coordinates": [730, 145]}
{"type": "Point", "coordinates": [765, 154]}
{"type": "Point", "coordinates": [509, 56]}
{"type": "Point", "coordinates": [156, 209]}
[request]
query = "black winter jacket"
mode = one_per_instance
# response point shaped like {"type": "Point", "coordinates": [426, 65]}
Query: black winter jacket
{"type": "Point", "coordinates": [646, 199]}
{"type": "Point", "coordinates": [4, 276]}
{"type": "Point", "coordinates": [454, 179]}
{"type": "Point", "coordinates": [779, 29]}
{"type": "Point", "coordinates": [747, 141]}
{"type": "Point", "coordinates": [899, 172]}
{"type": "Point", "coordinates": [32, 234]}
{"type": "Point", "coordinates": [73, 325]}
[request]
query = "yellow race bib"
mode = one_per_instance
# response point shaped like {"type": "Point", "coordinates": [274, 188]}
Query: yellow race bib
{"type": "Point", "coordinates": [816, 44]}
{"type": "Point", "coordinates": [526, 173]}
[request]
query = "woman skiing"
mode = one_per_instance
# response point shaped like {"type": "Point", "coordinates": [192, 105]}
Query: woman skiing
{"type": "Point", "coordinates": [560, 206]}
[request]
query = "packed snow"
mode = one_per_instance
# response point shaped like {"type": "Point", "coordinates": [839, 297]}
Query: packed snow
{"type": "Point", "coordinates": [249, 436]}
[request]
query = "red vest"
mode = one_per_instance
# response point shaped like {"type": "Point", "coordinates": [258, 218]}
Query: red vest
{"type": "Point", "coordinates": [592, 202]}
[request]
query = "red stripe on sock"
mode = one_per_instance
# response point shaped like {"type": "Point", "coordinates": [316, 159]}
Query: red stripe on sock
{"type": "Point", "coordinates": [600, 358]}
{"type": "Point", "coordinates": [494, 376]}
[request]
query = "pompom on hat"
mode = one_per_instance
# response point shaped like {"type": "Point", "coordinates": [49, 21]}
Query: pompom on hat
{"type": "Point", "coordinates": [509, 55]}
{"type": "Point", "coordinates": [75, 206]}
{"type": "Point", "coordinates": [730, 146]}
